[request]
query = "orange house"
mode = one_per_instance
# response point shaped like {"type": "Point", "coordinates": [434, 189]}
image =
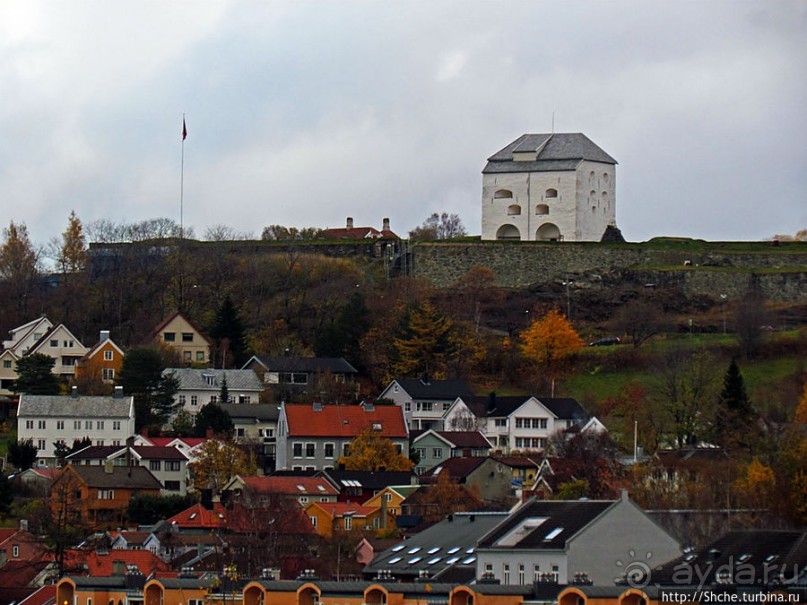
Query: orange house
{"type": "Point", "coordinates": [120, 590]}
{"type": "Point", "coordinates": [333, 517]}
{"type": "Point", "coordinates": [98, 496]}
{"type": "Point", "coordinates": [103, 361]}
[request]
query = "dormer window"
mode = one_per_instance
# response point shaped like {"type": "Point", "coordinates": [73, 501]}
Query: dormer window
{"type": "Point", "coordinates": [376, 426]}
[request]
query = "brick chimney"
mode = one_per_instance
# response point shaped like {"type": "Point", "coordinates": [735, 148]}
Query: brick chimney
{"type": "Point", "coordinates": [349, 223]}
{"type": "Point", "coordinates": [386, 224]}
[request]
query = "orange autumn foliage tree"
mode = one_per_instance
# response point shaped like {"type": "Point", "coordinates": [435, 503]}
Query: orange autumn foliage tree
{"type": "Point", "coordinates": [550, 339]}
{"type": "Point", "coordinates": [372, 452]}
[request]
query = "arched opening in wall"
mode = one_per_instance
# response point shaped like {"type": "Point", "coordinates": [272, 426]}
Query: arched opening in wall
{"type": "Point", "coordinates": [461, 597]}
{"type": "Point", "coordinates": [550, 193]}
{"type": "Point", "coordinates": [591, 178]}
{"type": "Point", "coordinates": [375, 596]}
{"type": "Point", "coordinates": [514, 210]}
{"type": "Point", "coordinates": [503, 194]}
{"type": "Point", "coordinates": [548, 232]}
{"type": "Point", "coordinates": [605, 177]}
{"type": "Point", "coordinates": [508, 232]}
{"type": "Point", "coordinates": [542, 209]}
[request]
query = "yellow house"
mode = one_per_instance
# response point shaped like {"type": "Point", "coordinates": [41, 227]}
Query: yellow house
{"type": "Point", "coordinates": [133, 589]}
{"type": "Point", "coordinates": [181, 334]}
{"type": "Point", "coordinates": [334, 517]}
{"type": "Point", "coordinates": [391, 498]}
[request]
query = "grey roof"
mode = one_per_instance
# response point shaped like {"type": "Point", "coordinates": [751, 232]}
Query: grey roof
{"type": "Point", "coordinates": [120, 477]}
{"type": "Point", "coordinates": [459, 439]}
{"type": "Point", "coordinates": [368, 480]}
{"type": "Point", "coordinates": [192, 379]}
{"type": "Point", "coordinates": [82, 406]}
{"type": "Point", "coordinates": [450, 543]}
{"type": "Point", "coordinates": [334, 365]}
{"type": "Point", "coordinates": [545, 524]}
{"type": "Point", "coordinates": [419, 388]}
{"type": "Point", "coordinates": [252, 411]}
{"type": "Point", "coordinates": [556, 152]}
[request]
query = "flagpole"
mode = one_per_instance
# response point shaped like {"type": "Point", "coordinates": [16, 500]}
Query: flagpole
{"type": "Point", "coordinates": [182, 181]}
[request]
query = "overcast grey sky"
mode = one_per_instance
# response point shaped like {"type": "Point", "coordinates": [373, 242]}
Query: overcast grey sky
{"type": "Point", "coordinates": [303, 113]}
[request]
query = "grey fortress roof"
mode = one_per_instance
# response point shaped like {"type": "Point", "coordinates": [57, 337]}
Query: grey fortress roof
{"type": "Point", "coordinates": [211, 380]}
{"type": "Point", "coordinates": [546, 153]}
{"type": "Point", "coordinates": [81, 406]}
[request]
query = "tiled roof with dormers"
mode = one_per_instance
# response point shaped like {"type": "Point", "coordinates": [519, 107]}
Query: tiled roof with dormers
{"type": "Point", "coordinates": [199, 517]}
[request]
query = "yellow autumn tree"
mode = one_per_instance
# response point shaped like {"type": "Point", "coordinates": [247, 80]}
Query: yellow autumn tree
{"type": "Point", "coordinates": [757, 486]}
{"type": "Point", "coordinates": [217, 462]}
{"type": "Point", "coordinates": [549, 339]}
{"type": "Point", "coordinates": [372, 452]}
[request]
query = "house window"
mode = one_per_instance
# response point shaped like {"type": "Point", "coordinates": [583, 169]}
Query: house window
{"type": "Point", "coordinates": [345, 449]}
{"type": "Point", "coordinates": [542, 209]}
{"type": "Point", "coordinates": [407, 406]}
{"type": "Point", "coordinates": [501, 422]}
{"type": "Point", "coordinates": [169, 336]}
{"type": "Point", "coordinates": [41, 444]}
{"type": "Point", "coordinates": [186, 355]}
{"type": "Point", "coordinates": [173, 465]}
{"type": "Point", "coordinates": [194, 400]}
{"type": "Point", "coordinates": [303, 499]}
{"type": "Point", "coordinates": [15, 551]}
{"type": "Point", "coordinates": [99, 425]}
{"type": "Point", "coordinates": [106, 494]}
{"type": "Point", "coordinates": [54, 344]}
{"type": "Point", "coordinates": [506, 573]}
{"type": "Point", "coordinates": [6, 363]}
{"type": "Point", "coordinates": [244, 399]}
{"type": "Point", "coordinates": [297, 450]}
{"type": "Point", "coordinates": [521, 574]}
{"type": "Point", "coordinates": [536, 573]}
{"type": "Point", "coordinates": [214, 398]}
{"type": "Point", "coordinates": [329, 450]}
{"type": "Point", "coordinates": [200, 355]}
{"type": "Point", "coordinates": [60, 425]}
{"type": "Point", "coordinates": [107, 374]}
{"type": "Point", "coordinates": [187, 337]}
{"type": "Point", "coordinates": [29, 424]}
{"type": "Point", "coordinates": [88, 425]}
{"type": "Point", "coordinates": [503, 194]}
{"type": "Point", "coordinates": [77, 425]}
{"type": "Point", "coordinates": [154, 465]}
{"type": "Point", "coordinates": [42, 424]}
{"type": "Point", "coordinates": [172, 486]}
{"type": "Point", "coordinates": [182, 400]}
{"type": "Point", "coordinates": [348, 522]}
{"type": "Point", "coordinates": [116, 425]}
{"type": "Point", "coordinates": [108, 355]}
{"type": "Point", "coordinates": [313, 521]}
{"type": "Point", "coordinates": [309, 450]}
{"type": "Point", "coordinates": [239, 432]}
{"type": "Point", "coordinates": [437, 452]}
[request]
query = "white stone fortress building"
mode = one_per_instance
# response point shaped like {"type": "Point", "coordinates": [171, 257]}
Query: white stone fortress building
{"type": "Point", "coordinates": [549, 187]}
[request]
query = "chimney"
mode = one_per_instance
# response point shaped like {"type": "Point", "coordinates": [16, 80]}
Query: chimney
{"type": "Point", "coordinates": [109, 467]}
{"type": "Point", "coordinates": [118, 392]}
{"type": "Point", "coordinates": [317, 406]}
{"type": "Point", "coordinates": [103, 336]}
{"type": "Point", "coordinates": [74, 392]}
{"type": "Point", "coordinates": [23, 524]}
{"type": "Point", "coordinates": [386, 224]}
{"type": "Point", "coordinates": [349, 222]}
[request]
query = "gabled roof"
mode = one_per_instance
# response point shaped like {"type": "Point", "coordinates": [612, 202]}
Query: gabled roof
{"type": "Point", "coordinates": [101, 563]}
{"type": "Point", "coordinates": [292, 486]}
{"type": "Point", "coordinates": [740, 552]}
{"type": "Point", "coordinates": [193, 379]}
{"type": "Point", "coordinates": [120, 477]}
{"type": "Point", "coordinates": [98, 346]}
{"type": "Point", "coordinates": [133, 537]}
{"type": "Point", "coordinates": [191, 442]}
{"type": "Point", "coordinates": [459, 439]}
{"type": "Point", "coordinates": [445, 390]}
{"type": "Point", "coordinates": [42, 596]}
{"type": "Point", "coordinates": [164, 323]}
{"type": "Point", "coordinates": [457, 468]}
{"type": "Point", "coordinates": [357, 233]}
{"type": "Point", "coordinates": [19, 333]}
{"type": "Point", "coordinates": [309, 365]}
{"type": "Point", "coordinates": [46, 337]}
{"type": "Point", "coordinates": [345, 421]}
{"type": "Point", "coordinates": [545, 524]}
{"type": "Point", "coordinates": [199, 517]}
{"type": "Point", "coordinates": [343, 509]}
{"type": "Point", "coordinates": [448, 544]}
{"type": "Point", "coordinates": [490, 406]}
{"type": "Point", "coordinates": [80, 406]}
{"type": "Point", "coordinates": [551, 152]}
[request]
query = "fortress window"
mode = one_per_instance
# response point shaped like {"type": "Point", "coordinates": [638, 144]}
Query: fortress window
{"type": "Point", "coordinates": [551, 193]}
{"type": "Point", "coordinates": [542, 209]}
{"type": "Point", "coordinates": [503, 194]}
{"type": "Point", "coordinates": [605, 177]}
{"type": "Point", "coordinates": [514, 210]}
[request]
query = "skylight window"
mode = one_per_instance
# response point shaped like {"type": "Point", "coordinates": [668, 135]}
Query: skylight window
{"type": "Point", "coordinates": [453, 550]}
{"type": "Point", "coordinates": [433, 550]}
{"type": "Point", "coordinates": [412, 551]}
{"type": "Point", "coordinates": [414, 560]}
{"type": "Point", "coordinates": [394, 560]}
{"type": "Point", "coordinates": [469, 551]}
{"type": "Point", "coordinates": [397, 548]}
{"type": "Point", "coordinates": [434, 560]}
{"type": "Point", "coordinates": [192, 517]}
{"type": "Point", "coordinates": [452, 560]}
{"type": "Point", "coordinates": [320, 488]}
{"type": "Point", "coordinates": [553, 534]}
{"type": "Point", "coordinates": [301, 488]}
{"type": "Point", "coordinates": [468, 561]}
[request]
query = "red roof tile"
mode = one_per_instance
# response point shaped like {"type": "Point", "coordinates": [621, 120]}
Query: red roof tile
{"type": "Point", "coordinates": [44, 595]}
{"type": "Point", "coordinates": [101, 564]}
{"type": "Point", "coordinates": [292, 486]}
{"type": "Point", "coordinates": [164, 441]}
{"type": "Point", "coordinates": [197, 516]}
{"type": "Point", "coordinates": [345, 421]}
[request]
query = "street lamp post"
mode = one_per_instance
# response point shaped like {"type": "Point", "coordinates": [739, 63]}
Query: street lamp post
{"type": "Point", "coordinates": [567, 283]}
